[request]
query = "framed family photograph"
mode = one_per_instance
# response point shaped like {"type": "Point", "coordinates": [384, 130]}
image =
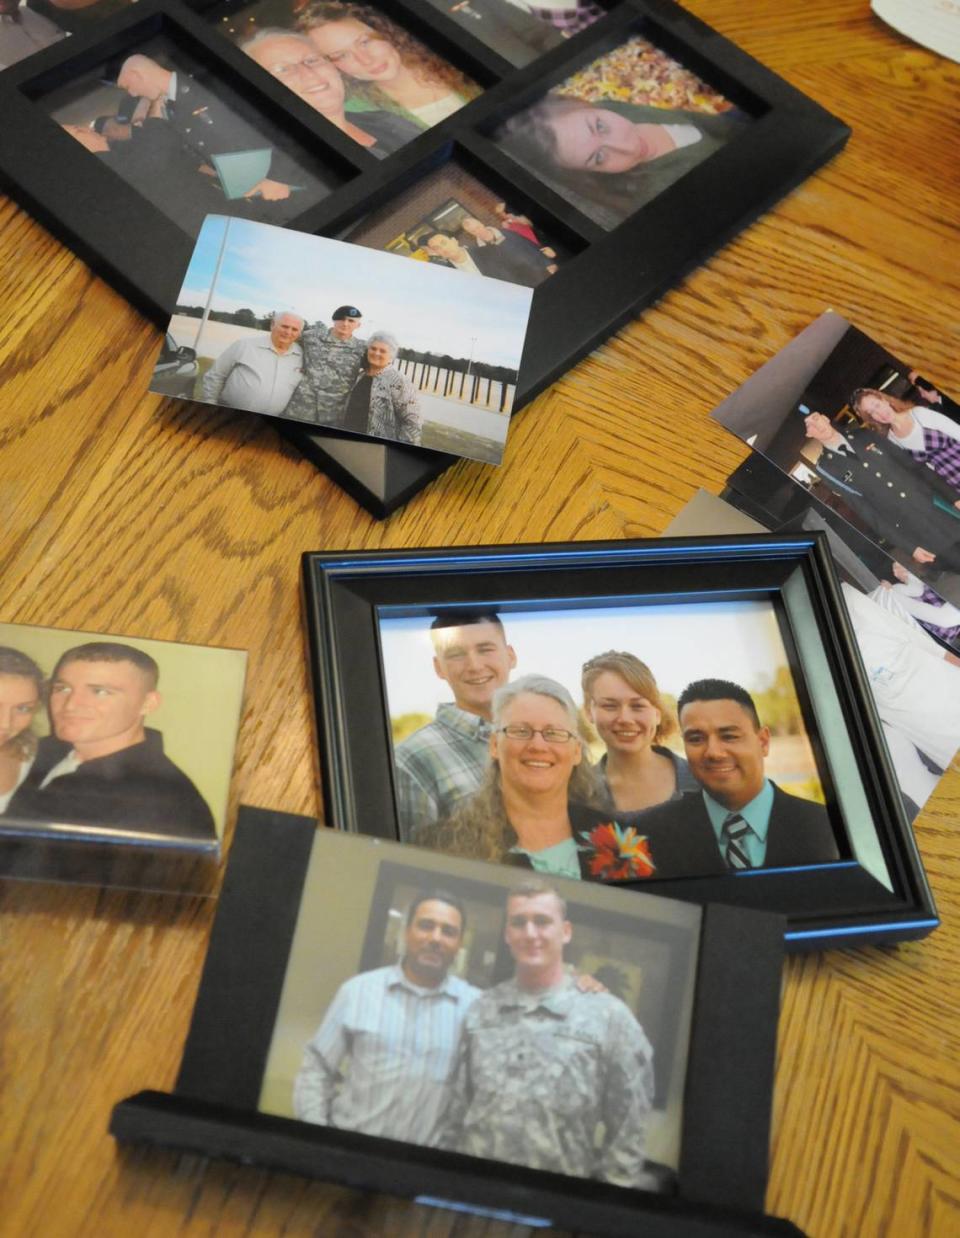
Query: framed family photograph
{"type": "Point", "coordinates": [530, 1048]}
{"type": "Point", "coordinates": [116, 756]}
{"type": "Point", "coordinates": [554, 147]}
{"type": "Point", "coordinates": [321, 332]}
{"type": "Point", "coordinates": [688, 716]}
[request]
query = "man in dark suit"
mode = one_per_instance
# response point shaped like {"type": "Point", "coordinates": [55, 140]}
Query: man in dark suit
{"type": "Point", "coordinates": [738, 819]}
{"type": "Point", "coordinates": [102, 765]}
{"type": "Point", "coordinates": [205, 125]}
{"type": "Point", "coordinates": [890, 492]}
{"type": "Point", "coordinates": [505, 255]}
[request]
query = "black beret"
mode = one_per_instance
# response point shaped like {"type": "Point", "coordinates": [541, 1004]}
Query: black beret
{"type": "Point", "coordinates": [346, 311]}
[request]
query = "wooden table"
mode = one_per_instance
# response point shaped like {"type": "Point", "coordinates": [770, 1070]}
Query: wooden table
{"type": "Point", "coordinates": [131, 514]}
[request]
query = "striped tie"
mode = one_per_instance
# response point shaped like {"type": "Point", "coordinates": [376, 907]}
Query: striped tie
{"type": "Point", "coordinates": [735, 829]}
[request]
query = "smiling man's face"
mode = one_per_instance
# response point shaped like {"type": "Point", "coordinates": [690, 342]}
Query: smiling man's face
{"type": "Point", "coordinates": [726, 750]}
{"type": "Point", "coordinates": [474, 660]}
{"type": "Point", "coordinates": [431, 942]}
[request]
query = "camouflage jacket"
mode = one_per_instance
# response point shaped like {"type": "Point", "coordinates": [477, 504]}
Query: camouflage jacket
{"type": "Point", "coordinates": [561, 1080]}
{"type": "Point", "coordinates": [330, 368]}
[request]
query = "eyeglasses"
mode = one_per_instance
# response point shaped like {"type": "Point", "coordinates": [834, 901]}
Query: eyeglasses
{"type": "Point", "coordinates": [551, 734]}
{"type": "Point", "coordinates": [308, 64]}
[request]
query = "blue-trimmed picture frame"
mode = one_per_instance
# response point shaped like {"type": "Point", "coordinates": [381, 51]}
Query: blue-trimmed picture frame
{"type": "Point", "coordinates": [874, 890]}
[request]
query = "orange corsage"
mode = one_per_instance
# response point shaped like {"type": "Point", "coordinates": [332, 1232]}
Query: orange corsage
{"type": "Point", "coordinates": [620, 853]}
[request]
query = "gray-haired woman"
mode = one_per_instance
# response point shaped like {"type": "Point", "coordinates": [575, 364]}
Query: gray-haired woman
{"type": "Point", "coordinates": [383, 402]}
{"type": "Point", "coordinates": [539, 803]}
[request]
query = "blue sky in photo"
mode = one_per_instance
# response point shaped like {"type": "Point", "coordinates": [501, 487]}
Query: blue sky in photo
{"type": "Point", "coordinates": [428, 308]}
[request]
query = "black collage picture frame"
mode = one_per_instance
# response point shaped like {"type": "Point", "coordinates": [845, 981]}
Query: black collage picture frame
{"type": "Point", "coordinates": [270, 974]}
{"type": "Point", "coordinates": [610, 270]}
{"type": "Point", "coordinates": [872, 890]}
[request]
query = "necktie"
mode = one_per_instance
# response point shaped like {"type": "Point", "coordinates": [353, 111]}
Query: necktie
{"type": "Point", "coordinates": [732, 835]}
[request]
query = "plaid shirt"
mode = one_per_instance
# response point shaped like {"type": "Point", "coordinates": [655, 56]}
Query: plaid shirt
{"type": "Point", "coordinates": [942, 453]}
{"type": "Point", "coordinates": [932, 598]}
{"type": "Point", "coordinates": [569, 21]}
{"type": "Point", "coordinates": [438, 766]}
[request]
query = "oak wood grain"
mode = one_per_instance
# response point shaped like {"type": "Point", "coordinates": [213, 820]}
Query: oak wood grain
{"type": "Point", "coordinates": [128, 513]}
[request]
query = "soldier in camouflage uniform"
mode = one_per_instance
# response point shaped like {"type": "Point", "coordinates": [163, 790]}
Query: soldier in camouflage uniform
{"type": "Point", "coordinates": [543, 1070]}
{"type": "Point", "coordinates": [332, 360]}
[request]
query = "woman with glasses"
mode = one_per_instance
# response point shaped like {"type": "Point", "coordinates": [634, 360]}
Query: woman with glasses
{"type": "Point", "coordinates": [621, 699]}
{"type": "Point", "coordinates": [294, 61]}
{"type": "Point", "coordinates": [539, 803]}
{"type": "Point", "coordinates": [384, 64]}
{"type": "Point", "coordinates": [21, 691]}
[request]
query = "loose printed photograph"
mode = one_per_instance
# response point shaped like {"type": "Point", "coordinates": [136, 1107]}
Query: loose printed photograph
{"type": "Point", "coordinates": [158, 120]}
{"type": "Point", "coordinates": [111, 736]}
{"type": "Point", "coordinates": [868, 436]}
{"type": "Point", "coordinates": [494, 1013]}
{"type": "Point", "coordinates": [614, 135]}
{"type": "Point", "coordinates": [907, 634]}
{"type": "Point", "coordinates": [342, 337]}
{"type": "Point", "coordinates": [353, 64]}
{"type": "Point", "coordinates": [605, 742]}
{"type": "Point", "coordinates": [450, 219]}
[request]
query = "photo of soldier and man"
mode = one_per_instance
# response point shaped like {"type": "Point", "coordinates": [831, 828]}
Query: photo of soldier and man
{"type": "Point", "coordinates": [604, 743]}
{"type": "Point", "coordinates": [345, 338]}
{"type": "Point", "coordinates": [448, 218]}
{"type": "Point", "coordinates": [850, 440]}
{"type": "Point", "coordinates": [617, 133]}
{"type": "Point", "coordinates": [504, 1016]}
{"type": "Point", "coordinates": [132, 736]}
{"type": "Point", "coordinates": [185, 142]}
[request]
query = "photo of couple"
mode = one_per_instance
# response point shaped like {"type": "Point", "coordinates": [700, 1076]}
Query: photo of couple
{"type": "Point", "coordinates": [83, 743]}
{"type": "Point", "coordinates": [507, 1017]}
{"type": "Point", "coordinates": [448, 218]}
{"type": "Point", "coordinates": [401, 358]}
{"type": "Point", "coordinates": [361, 71]}
{"type": "Point", "coordinates": [612, 137]}
{"type": "Point", "coordinates": [183, 141]}
{"type": "Point", "coordinates": [649, 774]}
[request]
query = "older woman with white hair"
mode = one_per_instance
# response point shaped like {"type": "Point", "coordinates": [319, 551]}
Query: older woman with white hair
{"type": "Point", "coordinates": [539, 803]}
{"type": "Point", "coordinates": [383, 403]}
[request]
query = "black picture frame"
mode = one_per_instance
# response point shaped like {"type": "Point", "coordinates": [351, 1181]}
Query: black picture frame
{"type": "Point", "coordinates": [722, 1166]}
{"type": "Point", "coordinates": [611, 276]}
{"type": "Point", "coordinates": [825, 905]}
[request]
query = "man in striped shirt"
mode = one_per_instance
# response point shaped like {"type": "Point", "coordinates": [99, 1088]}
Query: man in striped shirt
{"type": "Point", "coordinates": [380, 1061]}
{"type": "Point", "coordinates": [444, 762]}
